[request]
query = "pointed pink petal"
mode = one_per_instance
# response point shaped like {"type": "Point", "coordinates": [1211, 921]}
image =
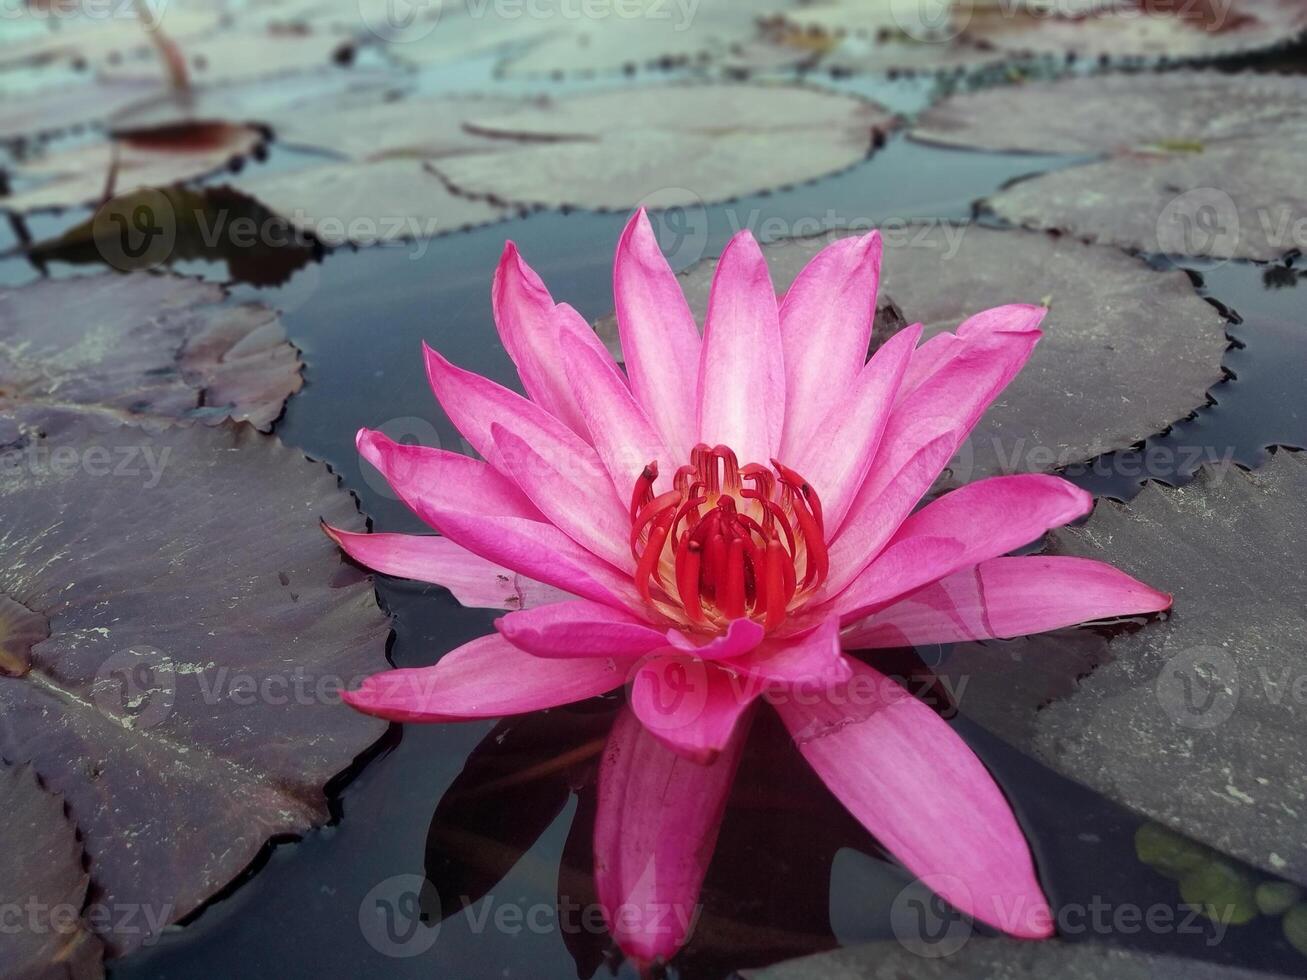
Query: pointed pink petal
{"type": "Point", "coordinates": [474, 404]}
{"type": "Point", "coordinates": [529, 324]}
{"type": "Point", "coordinates": [911, 781]}
{"type": "Point", "coordinates": [983, 520]}
{"type": "Point", "coordinates": [579, 629]}
{"type": "Point", "coordinates": [587, 510]}
{"type": "Point", "coordinates": [1007, 597]}
{"type": "Point", "coordinates": [741, 374]}
{"type": "Point", "coordinates": [837, 455]}
{"type": "Point", "coordinates": [813, 661]}
{"type": "Point", "coordinates": [433, 558]}
{"type": "Point", "coordinates": [741, 636]}
{"type": "Point", "coordinates": [486, 678]}
{"type": "Point", "coordinates": [691, 705]}
{"type": "Point", "coordinates": [660, 341]}
{"type": "Point", "coordinates": [655, 831]}
{"type": "Point", "coordinates": [862, 540]}
{"type": "Point", "coordinates": [991, 348]}
{"type": "Point", "coordinates": [418, 472]}
{"type": "Point", "coordinates": [622, 435]}
{"type": "Point", "coordinates": [903, 567]}
{"type": "Point", "coordinates": [825, 332]}
{"type": "Point", "coordinates": [446, 501]}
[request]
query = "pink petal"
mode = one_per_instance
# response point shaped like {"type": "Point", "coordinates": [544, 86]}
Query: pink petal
{"type": "Point", "coordinates": [474, 404]}
{"type": "Point", "coordinates": [862, 540]}
{"type": "Point", "coordinates": [622, 435]}
{"type": "Point", "coordinates": [991, 348]}
{"type": "Point", "coordinates": [741, 374]}
{"type": "Point", "coordinates": [460, 497]}
{"type": "Point", "coordinates": [486, 678]}
{"type": "Point", "coordinates": [911, 781]}
{"type": "Point", "coordinates": [984, 519]}
{"type": "Point", "coordinates": [655, 832]}
{"type": "Point", "coordinates": [660, 341]}
{"type": "Point", "coordinates": [1007, 597]}
{"type": "Point", "coordinates": [529, 324]}
{"type": "Point", "coordinates": [903, 567]}
{"type": "Point", "coordinates": [836, 456]}
{"type": "Point", "coordinates": [432, 558]}
{"type": "Point", "coordinates": [579, 629]}
{"type": "Point", "coordinates": [811, 661]}
{"type": "Point", "coordinates": [420, 472]}
{"type": "Point", "coordinates": [691, 705]}
{"type": "Point", "coordinates": [589, 512]}
{"type": "Point", "coordinates": [825, 332]}
{"type": "Point", "coordinates": [741, 636]}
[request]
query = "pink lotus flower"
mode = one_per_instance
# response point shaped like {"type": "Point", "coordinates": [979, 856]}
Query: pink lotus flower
{"type": "Point", "coordinates": [717, 524]}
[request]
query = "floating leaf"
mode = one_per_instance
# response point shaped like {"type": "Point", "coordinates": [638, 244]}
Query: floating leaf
{"type": "Point", "coordinates": [71, 107]}
{"type": "Point", "coordinates": [1126, 351]}
{"type": "Point", "coordinates": [369, 203]}
{"type": "Point", "coordinates": [241, 55]}
{"type": "Point", "coordinates": [186, 702]}
{"type": "Point", "coordinates": [41, 878]}
{"type": "Point", "coordinates": [1196, 722]}
{"type": "Point", "coordinates": [973, 957]}
{"type": "Point", "coordinates": [367, 129]}
{"type": "Point", "coordinates": [1167, 852]}
{"type": "Point", "coordinates": [1295, 927]}
{"type": "Point", "coordinates": [1221, 891]}
{"type": "Point", "coordinates": [1276, 897]}
{"type": "Point", "coordinates": [148, 158]}
{"type": "Point", "coordinates": [141, 347]}
{"type": "Point", "coordinates": [691, 143]}
{"type": "Point", "coordinates": [1203, 163]}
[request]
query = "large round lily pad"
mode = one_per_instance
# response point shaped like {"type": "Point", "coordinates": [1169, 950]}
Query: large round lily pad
{"type": "Point", "coordinates": [1127, 350]}
{"type": "Point", "coordinates": [143, 345]}
{"type": "Point", "coordinates": [1197, 722]}
{"type": "Point", "coordinates": [688, 143]}
{"type": "Point", "coordinates": [186, 700]}
{"type": "Point", "coordinates": [42, 886]}
{"type": "Point", "coordinates": [369, 203]}
{"type": "Point", "coordinates": [1199, 163]}
{"type": "Point", "coordinates": [953, 956]}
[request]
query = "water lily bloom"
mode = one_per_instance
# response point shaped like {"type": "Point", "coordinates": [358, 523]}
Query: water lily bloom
{"type": "Point", "coordinates": [716, 525]}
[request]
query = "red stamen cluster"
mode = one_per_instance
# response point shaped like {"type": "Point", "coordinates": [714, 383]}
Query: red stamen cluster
{"type": "Point", "coordinates": [727, 541]}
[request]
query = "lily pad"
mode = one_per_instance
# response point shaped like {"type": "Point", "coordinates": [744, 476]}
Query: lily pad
{"type": "Point", "coordinates": [186, 701]}
{"type": "Point", "coordinates": [996, 959]}
{"type": "Point", "coordinates": [691, 143]}
{"type": "Point", "coordinates": [1196, 722]}
{"type": "Point", "coordinates": [41, 875]}
{"type": "Point", "coordinates": [369, 203]}
{"type": "Point", "coordinates": [143, 346]}
{"type": "Point", "coordinates": [148, 158]}
{"type": "Point", "coordinates": [367, 129]}
{"type": "Point", "coordinates": [1201, 163]}
{"type": "Point", "coordinates": [241, 55]}
{"type": "Point", "coordinates": [1127, 350]}
{"type": "Point", "coordinates": [68, 108]}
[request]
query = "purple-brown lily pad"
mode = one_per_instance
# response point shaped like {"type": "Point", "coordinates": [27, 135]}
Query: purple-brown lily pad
{"type": "Point", "coordinates": [42, 884]}
{"type": "Point", "coordinates": [91, 172]}
{"type": "Point", "coordinates": [239, 55]}
{"type": "Point", "coordinates": [143, 346]}
{"type": "Point", "coordinates": [70, 107]}
{"type": "Point", "coordinates": [689, 143]}
{"type": "Point", "coordinates": [186, 701]}
{"type": "Point", "coordinates": [1127, 350]}
{"type": "Point", "coordinates": [1197, 163]}
{"type": "Point", "coordinates": [1198, 721]}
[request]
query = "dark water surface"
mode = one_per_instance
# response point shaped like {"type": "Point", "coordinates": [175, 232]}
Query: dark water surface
{"type": "Point", "coordinates": [793, 873]}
